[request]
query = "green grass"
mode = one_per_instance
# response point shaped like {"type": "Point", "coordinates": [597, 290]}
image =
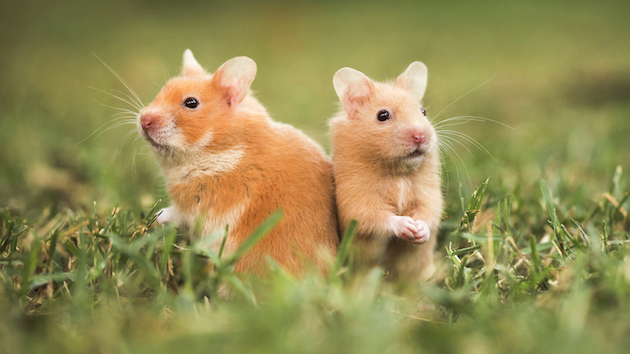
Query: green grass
{"type": "Point", "coordinates": [532, 252]}
{"type": "Point", "coordinates": [115, 282]}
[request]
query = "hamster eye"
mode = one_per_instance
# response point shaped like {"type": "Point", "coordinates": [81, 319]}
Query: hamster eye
{"type": "Point", "coordinates": [424, 113]}
{"type": "Point", "coordinates": [383, 115]}
{"type": "Point", "coordinates": [191, 102]}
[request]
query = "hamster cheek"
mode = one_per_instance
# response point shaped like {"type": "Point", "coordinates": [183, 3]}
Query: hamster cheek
{"type": "Point", "coordinates": [205, 140]}
{"type": "Point", "coordinates": [177, 140]}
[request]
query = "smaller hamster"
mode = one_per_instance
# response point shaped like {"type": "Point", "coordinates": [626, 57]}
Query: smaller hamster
{"type": "Point", "coordinates": [386, 165]}
{"type": "Point", "coordinates": [226, 162]}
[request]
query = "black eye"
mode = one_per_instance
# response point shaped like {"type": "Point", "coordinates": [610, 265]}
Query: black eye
{"type": "Point", "coordinates": [383, 116]}
{"type": "Point", "coordinates": [191, 102]}
{"type": "Point", "coordinates": [424, 113]}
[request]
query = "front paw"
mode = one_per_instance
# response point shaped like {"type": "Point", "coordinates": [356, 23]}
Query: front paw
{"type": "Point", "coordinates": [424, 233]}
{"type": "Point", "coordinates": [404, 227]}
{"type": "Point", "coordinates": [165, 215]}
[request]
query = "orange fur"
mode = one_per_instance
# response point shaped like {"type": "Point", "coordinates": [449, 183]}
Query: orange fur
{"type": "Point", "coordinates": [376, 180]}
{"type": "Point", "coordinates": [227, 162]}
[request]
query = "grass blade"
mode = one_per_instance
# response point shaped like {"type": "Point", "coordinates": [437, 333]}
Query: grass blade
{"type": "Point", "coordinates": [474, 205]}
{"type": "Point", "coordinates": [238, 285]}
{"type": "Point", "coordinates": [345, 245]}
{"type": "Point", "coordinates": [30, 266]}
{"type": "Point", "coordinates": [553, 215]}
{"type": "Point", "coordinates": [255, 237]}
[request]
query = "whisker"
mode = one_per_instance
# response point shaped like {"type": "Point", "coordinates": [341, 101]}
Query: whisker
{"type": "Point", "coordinates": [132, 104]}
{"type": "Point", "coordinates": [466, 119]}
{"type": "Point", "coordinates": [109, 128]}
{"type": "Point", "coordinates": [120, 124]}
{"type": "Point", "coordinates": [449, 153]}
{"type": "Point", "coordinates": [134, 153]}
{"type": "Point", "coordinates": [443, 169]}
{"type": "Point", "coordinates": [124, 115]}
{"type": "Point", "coordinates": [450, 138]}
{"type": "Point", "coordinates": [113, 124]}
{"type": "Point", "coordinates": [123, 110]}
{"type": "Point", "coordinates": [121, 80]}
{"type": "Point", "coordinates": [462, 96]}
{"type": "Point", "coordinates": [457, 122]}
{"type": "Point", "coordinates": [469, 139]}
{"type": "Point", "coordinates": [129, 98]}
{"type": "Point", "coordinates": [128, 134]}
{"type": "Point", "coordinates": [118, 151]}
{"type": "Point", "coordinates": [453, 154]}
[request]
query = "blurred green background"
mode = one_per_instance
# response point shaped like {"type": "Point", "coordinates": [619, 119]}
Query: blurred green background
{"type": "Point", "coordinates": [560, 76]}
{"type": "Point", "coordinates": [557, 72]}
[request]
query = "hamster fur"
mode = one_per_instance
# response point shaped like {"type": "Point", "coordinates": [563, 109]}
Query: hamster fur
{"type": "Point", "coordinates": [226, 162]}
{"type": "Point", "coordinates": [387, 171]}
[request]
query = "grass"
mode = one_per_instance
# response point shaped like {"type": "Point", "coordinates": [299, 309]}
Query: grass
{"type": "Point", "coordinates": [115, 282]}
{"type": "Point", "coordinates": [532, 252]}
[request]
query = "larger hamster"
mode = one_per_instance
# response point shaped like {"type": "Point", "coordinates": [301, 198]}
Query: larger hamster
{"type": "Point", "coordinates": [387, 171]}
{"type": "Point", "coordinates": [226, 162]}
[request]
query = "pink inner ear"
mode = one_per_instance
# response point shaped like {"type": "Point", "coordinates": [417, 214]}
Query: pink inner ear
{"type": "Point", "coordinates": [357, 95]}
{"type": "Point", "coordinates": [232, 94]}
{"type": "Point", "coordinates": [234, 78]}
{"type": "Point", "coordinates": [229, 86]}
{"type": "Point", "coordinates": [351, 105]}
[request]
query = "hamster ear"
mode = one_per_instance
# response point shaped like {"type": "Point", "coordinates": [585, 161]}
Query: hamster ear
{"type": "Point", "coordinates": [352, 87]}
{"type": "Point", "coordinates": [191, 67]}
{"type": "Point", "coordinates": [414, 79]}
{"type": "Point", "coordinates": [235, 77]}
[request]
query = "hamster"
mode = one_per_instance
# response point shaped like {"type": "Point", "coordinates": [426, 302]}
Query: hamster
{"type": "Point", "coordinates": [387, 171]}
{"type": "Point", "coordinates": [225, 162]}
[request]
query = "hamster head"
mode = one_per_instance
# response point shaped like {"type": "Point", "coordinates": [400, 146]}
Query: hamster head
{"type": "Point", "coordinates": [385, 120]}
{"type": "Point", "coordinates": [193, 110]}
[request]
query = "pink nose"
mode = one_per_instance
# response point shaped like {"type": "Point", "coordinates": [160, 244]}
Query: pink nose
{"type": "Point", "coordinates": [148, 120]}
{"type": "Point", "coordinates": [419, 137]}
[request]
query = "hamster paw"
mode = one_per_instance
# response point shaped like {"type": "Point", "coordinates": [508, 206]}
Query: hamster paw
{"type": "Point", "coordinates": [424, 233]}
{"type": "Point", "coordinates": [165, 215]}
{"type": "Point", "coordinates": [404, 227]}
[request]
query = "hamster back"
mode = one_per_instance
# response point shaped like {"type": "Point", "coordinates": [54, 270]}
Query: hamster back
{"type": "Point", "coordinates": [226, 162]}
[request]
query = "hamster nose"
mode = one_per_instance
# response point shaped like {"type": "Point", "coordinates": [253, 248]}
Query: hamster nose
{"type": "Point", "coordinates": [147, 120]}
{"type": "Point", "coordinates": [419, 137]}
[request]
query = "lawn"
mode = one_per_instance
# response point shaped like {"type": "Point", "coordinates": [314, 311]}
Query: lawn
{"type": "Point", "coordinates": [532, 251]}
